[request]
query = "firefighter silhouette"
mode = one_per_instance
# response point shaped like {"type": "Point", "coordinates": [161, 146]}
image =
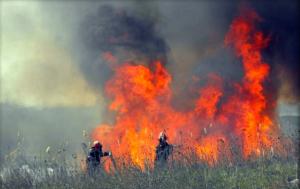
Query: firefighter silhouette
{"type": "Point", "coordinates": [163, 150]}
{"type": "Point", "coordinates": [94, 156]}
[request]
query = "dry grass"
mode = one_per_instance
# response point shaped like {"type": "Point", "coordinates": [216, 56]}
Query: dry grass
{"type": "Point", "coordinates": [58, 168]}
{"type": "Point", "coordinates": [260, 174]}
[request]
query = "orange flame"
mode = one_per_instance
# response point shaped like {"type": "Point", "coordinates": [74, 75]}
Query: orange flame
{"type": "Point", "coordinates": [252, 124]}
{"type": "Point", "coordinates": [141, 99]}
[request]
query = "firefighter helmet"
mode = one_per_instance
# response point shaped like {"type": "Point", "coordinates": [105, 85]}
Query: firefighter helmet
{"type": "Point", "coordinates": [96, 144]}
{"type": "Point", "coordinates": [162, 135]}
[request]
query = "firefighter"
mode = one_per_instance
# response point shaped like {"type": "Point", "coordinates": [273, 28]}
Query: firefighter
{"type": "Point", "coordinates": [163, 149]}
{"type": "Point", "coordinates": [94, 156]}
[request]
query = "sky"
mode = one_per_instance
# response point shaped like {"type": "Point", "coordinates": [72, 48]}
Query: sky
{"type": "Point", "coordinates": [47, 67]}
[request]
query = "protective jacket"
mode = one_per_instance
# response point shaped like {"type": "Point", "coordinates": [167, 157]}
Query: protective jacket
{"type": "Point", "coordinates": [95, 155]}
{"type": "Point", "coordinates": [163, 150]}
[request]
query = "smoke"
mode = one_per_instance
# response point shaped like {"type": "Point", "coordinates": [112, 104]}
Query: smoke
{"type": "Point", "coordinates": [189, 37]}
{"type": "Point", "coordinates": [124, 33]}
{"type": "Point", "coordinates": [197, 48]}
{"type": "Point", "coordinates": [48, 61]}
{"type": "Point", "coordinates": [111, 29]}
{"type": "Point", "coordinates": [45, 127]}
{"type": "Point", "coordinates": [281, 21]}
{"type": "Point", "coordinates": [38, 68]}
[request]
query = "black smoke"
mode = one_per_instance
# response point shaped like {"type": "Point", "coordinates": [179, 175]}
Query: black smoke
{"type": "Point", "coordinates": [280, 19]}
{"type": "Point", "coordinates": [122, 32]}
{"type": "Point", "coordinates": [198, 26]}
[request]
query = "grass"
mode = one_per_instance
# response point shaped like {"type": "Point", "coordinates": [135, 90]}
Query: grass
{"type": "Point", "coordinates": [268, 173]}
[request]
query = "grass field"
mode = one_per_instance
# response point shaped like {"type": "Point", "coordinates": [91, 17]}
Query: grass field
{"type": "Point", "coordinates": [259, 174]}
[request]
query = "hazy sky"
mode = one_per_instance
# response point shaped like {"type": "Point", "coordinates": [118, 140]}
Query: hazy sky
{"type": "Point", "coordinates": [37, 67]}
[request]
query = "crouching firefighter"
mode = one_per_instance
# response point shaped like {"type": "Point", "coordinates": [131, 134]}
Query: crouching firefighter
{"type": "Point", "coordinates": [163, 150]}
{"type": "Point", "coordinates": [94, 157]}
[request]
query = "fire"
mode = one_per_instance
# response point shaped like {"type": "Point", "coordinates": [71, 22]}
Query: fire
{"type": "Point", "coordinates": [209, 97]}
{"type": "Point", "coordinates": [141, 100]}
{"type": "Point", "coordinates": [210, 147]}
{"type": "Point", "coordinates": [252, 123]}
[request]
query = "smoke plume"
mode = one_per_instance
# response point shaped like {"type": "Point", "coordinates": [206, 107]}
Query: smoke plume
{"type": "Point", "coordinates": [122, 33]}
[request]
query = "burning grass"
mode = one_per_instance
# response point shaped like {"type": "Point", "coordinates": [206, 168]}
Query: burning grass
{"type": "Point", "coordinates": [140, 98]}
{"type": "Point", "coordinates": [61, 168]}
{"type": "Point", "coordinates": [226, 140]}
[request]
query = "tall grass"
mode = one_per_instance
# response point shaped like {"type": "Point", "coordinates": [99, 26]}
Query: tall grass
{"type": "Point", "coordinates": [56, 172]}
{"type": "Point", "coordinates": [58, 168]}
